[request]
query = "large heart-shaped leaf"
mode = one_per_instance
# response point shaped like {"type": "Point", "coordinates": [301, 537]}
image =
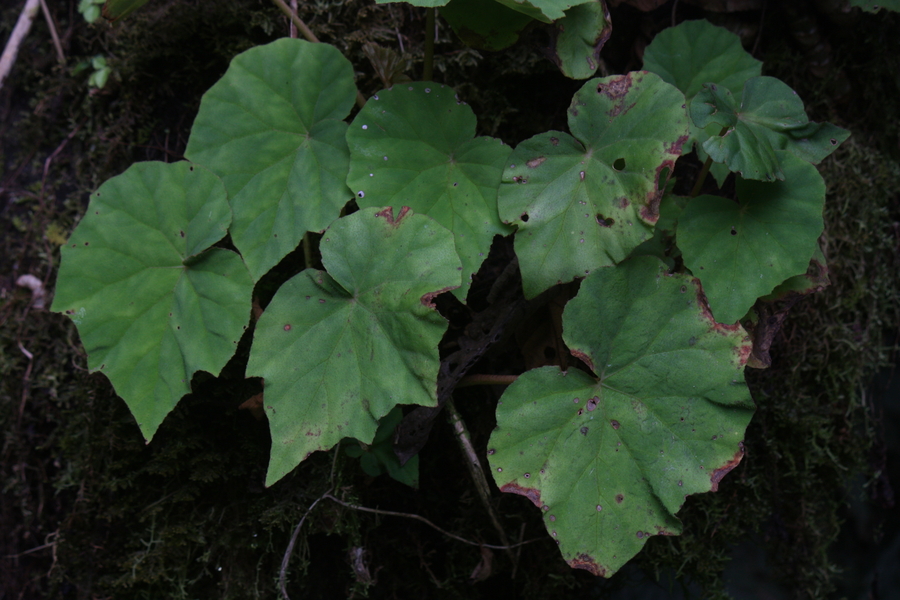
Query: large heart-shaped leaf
{"type": "Point", "coordinates": [579, 37]}
{"type": "Point", "coordinates": [485, 25]}
{"type": "Point", "coordinates": [586, 201]}
{"type": "Point", "coordinates": [272, 129]}
{"type": "Point", "coordinates": [769, 117]}
{"type": "Point", "coordinates": [742, 250]}
{"type": "Point", "coordinates": [611, 459]}
{"type": "Point", "coordinates": [152, 304]}
{"type": "Point", "coordinates": [414, 145]}
{"type": "Point", "coordinates": [697, 52]}
{"type": "Point", "coordinates": [339, 350]}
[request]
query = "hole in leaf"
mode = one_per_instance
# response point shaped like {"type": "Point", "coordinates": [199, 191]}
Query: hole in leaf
{"type": "Point", "coordinates": [733, 232]}
{"type": "Point", "coordinates": [619, 164]}
{"type": "Point", "coordinates": [604, 221]}
{"type": "Point", "coordinates": [524, 217]}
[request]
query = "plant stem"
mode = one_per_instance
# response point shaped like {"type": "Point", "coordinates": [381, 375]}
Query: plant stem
{"type": "Point", "coordinates": [310, 36]}
{"type": "Point", "coordinates": [301, 26]}
{"type": "Point", "coordinates": [428, 69]}
{"type": "Point", "coordinates": [471, 380]}
{"type": "Point", "coordinates": [307, 251]}
{"type": "Point", "coordinates": [705, 170]}
{"type": "Point", "coordinates": [476, 470]}
{"type": "Point", "coordinates": [702, 177]}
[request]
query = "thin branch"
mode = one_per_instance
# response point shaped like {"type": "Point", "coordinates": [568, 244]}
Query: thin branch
{"type": "Point", "coordinates": [290, 549]}
{"type": "Point", "coordinates": [59, 51]}
{"type": "Point", "coordinates": [391, 513]}
{"type": "Point", "coordinates": [476, 471]}
{"type": "Point", "coordinates": [293, 28]}
{"type": "Point", "coordinates": [301, 26]}
{"type": "Point", "coordinates": [23, 25]}
{"type": "Point", "coordinates": [471, 380]}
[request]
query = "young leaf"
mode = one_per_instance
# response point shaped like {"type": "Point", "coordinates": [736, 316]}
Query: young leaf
{"type": "Point", "coordinates": [339, 350]}
{"type": "Point", "coordinates": [697, 52]}
{"type": "Point", "coordinates": [379, 456]}
{"type": "Point", "coordinates": [153, 305]}
{"type": "Point", "coordinates": [414, 145]}
{"type": "Point", "coordinates": [586, 201]}
{"type": "Point", "coordinates": [485, 25]}
{"type": "Point", "coordinates": [742, 250]}
{"type": "Point", "coordinates": [611, 459]}
{"type": "Point", "coordinates": [770, 117]}
{"type": "Point", "coordinates": [580, 36]}
{"type": "Point", "coordinates": [272, 129]}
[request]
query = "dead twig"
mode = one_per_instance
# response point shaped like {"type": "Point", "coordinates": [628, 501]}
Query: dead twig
{"type": "Point", "coordinates": [52, 26]}
{"type": "Point", "coordinates": [23, 26]}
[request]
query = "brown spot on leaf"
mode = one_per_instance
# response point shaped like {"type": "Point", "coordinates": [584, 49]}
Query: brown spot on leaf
{"type": "Point", "coordinates": [583, 358]}
{"type": "Point", "coordinates": [722, 471]}
{"type": "Point", "coordinates": [387, 213]}
{"type": "Point", "coordinates": [535, 162]}
{"type": "Point", "coordinates": [619, 498]}
{"type": "Point", "coordinates": [428, 299]}
{"type": "Point", "coordinates": [532, 494]}
{"type": "Point", "coordinates": [587, 563]}
{"type": "Point", "coordinates": [615, 88]}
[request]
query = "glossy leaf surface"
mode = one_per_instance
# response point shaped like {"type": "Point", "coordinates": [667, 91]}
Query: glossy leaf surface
{"type": "Point", "coordinates": [586, 200]}
{"type": "Point", "coordinates": [414, 145]}
{"type": "Point", "coordinates": [272, 128]}
{"type": "Point", "coordinates": [610, 460]}
{"type": "Point", "coordinates": [339, 350]}
{"type": "Point", "coordinates": [742, 250]}
{"type": "Point", "coordinates": [152, 302]}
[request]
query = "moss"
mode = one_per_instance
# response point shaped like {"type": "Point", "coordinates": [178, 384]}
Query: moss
{"type": "Point", "coordinates": [187, 516]}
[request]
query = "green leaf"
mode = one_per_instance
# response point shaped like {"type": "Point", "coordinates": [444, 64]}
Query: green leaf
{"type": "Point", "coordinates": [414, 145]}
{"type": "Point", "coordinates": [611, 459]}
{"type": "Point", "coordinates": [114, 10]}
{"type": "Point", "coordinates": [587, 201]}
{"type": "Point", "coordinates": [543, 10]}
{"type": "Point", "coordinates": [153, 305]}
{"type": "Point", "coordinates": [339, 350]}
{"type": "Point", "coordinates": [697, 52]}
{"type": "Point", "coordinates": [876, 5]}
{"type": "Point", "coordinates": [770, 117]}
{"type": "Point", "coordinates": [272, 129]}
{"type": "Point", "coordinates": [485, 25]}
{"type": "Point", "coordinates": [742, 250]}
{"type": "Point", "coordinates": [814, 280]}
{"type": "Point", "coordinates": [580, 36]}
{"type": "Point", "coordinates": [379, 457]}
